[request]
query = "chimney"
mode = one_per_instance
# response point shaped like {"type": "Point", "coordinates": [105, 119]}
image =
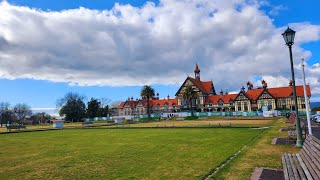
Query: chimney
{"type": "Point", "coordinates": [242, 89]}
{"type": "Point", "coordinates": [227, 93]}
{"type": "Point", "coordinates": [249, 85]}
{"type": "Point", "coordinates": [168, 97]}
{"type": "Point", "coordinates": [290, 83]}
{"type": "Point", "coordinates": [265, 85]}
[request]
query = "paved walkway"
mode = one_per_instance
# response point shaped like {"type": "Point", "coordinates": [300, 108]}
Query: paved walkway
{"type": "Point", "coordinates": [315, 130]}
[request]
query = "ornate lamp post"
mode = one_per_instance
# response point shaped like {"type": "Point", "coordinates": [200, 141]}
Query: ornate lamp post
{"type": "Point", "coordinates": [288, 37]}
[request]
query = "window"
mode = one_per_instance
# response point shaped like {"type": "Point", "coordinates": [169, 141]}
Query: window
{"type": "Point", "coordinates": [262, 103]}
{"type": "Point", "coordinates": [245, 106]}
{"type": "Point", "coordinates": [269, 104]}
{"type": "Point", "coordinates": [220, 103]}
{"type": "Point", "coordinates": [231, 103]}
{"type": "Point", "coordinates": [165, 106]}
{"type": "Point", "coordinates": [303, 106]}
{"type": "Point", "coordinates": [239, 106]}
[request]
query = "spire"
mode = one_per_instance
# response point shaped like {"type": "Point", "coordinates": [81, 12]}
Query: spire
{"type": "Point", "coordinates": [197, 72]}
{"type": "Point", "coordinates": [196, 69]}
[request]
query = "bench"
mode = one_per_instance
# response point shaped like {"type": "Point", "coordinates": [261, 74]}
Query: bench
{"type": "Point", "coordinates": [306, 163]}
{"type": "Point", "coordinates": [9, 128]}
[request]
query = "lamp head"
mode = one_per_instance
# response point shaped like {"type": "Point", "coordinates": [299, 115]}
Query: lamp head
{"type": "Point", "coordinates": [288, 36]}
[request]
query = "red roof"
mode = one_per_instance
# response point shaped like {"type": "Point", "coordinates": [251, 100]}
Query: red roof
{"type": "Point", "coordinates": [225, 98]}
{"type": "Point", "coordinates": [121, 105]}
{"type": "Point", "coordinates": [153, 102]}
{"type": "Point", "coordinates": [253, 94]}
{"type": "Point", "coordinates": [283, 92]}
{"type": "Point", "coordinates": [203, 86]}
{"type": "Point", "coordinates": [161, 102]}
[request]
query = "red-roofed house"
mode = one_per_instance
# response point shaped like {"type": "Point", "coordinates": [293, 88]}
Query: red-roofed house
{"type": "Point", "coordinates": [280, 98]}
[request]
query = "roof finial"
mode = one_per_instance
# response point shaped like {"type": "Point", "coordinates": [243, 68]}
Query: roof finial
{"type": "Point", "coordinates": [196, 69]}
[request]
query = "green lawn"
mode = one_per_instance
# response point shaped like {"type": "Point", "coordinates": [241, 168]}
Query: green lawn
{"type": "Point", "coordinates": [118, 153]}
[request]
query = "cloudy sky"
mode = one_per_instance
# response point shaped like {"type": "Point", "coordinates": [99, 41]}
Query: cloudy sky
{"type": "Point", "coordinates": [110, 48]}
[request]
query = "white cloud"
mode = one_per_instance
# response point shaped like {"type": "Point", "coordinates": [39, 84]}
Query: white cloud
{"type": "Point", "coordinates": [232, 41]}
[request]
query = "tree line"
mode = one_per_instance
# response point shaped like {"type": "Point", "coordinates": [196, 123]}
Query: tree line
{"type": "Point", "coordinates": [73, 108]}
{"type": "Point", "coordinates": [16, 114]}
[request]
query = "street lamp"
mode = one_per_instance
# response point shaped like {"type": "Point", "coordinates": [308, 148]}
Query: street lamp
{"type": "Point", "coordinates": [288, 37]}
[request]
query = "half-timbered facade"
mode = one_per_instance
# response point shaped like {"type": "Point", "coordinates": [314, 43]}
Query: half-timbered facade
{"type": "Point", "coordinates": [248, 99]}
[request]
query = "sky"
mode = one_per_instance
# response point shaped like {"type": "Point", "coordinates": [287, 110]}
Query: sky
{"type": "Point", "coordinates": [111, 48]}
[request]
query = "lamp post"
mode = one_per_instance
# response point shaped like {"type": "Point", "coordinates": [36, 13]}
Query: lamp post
{"type": "Point", "coordinates": [306, 98]}
{"type": "Point", "coordinates": [288, 37]}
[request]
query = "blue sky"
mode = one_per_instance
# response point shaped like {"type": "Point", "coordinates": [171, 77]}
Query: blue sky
{"type": "Point", "coordinates": [41, 90]}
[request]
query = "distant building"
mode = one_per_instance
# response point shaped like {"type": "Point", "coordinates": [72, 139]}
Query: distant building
{"type": "Point", "coordinates": [248, 99]}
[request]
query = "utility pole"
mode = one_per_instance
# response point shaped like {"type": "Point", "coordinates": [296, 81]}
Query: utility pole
{"type": "Point", "coordinates": [306, 97]}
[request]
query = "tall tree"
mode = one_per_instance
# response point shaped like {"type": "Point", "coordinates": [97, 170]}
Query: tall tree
{"type": "Point", "coordinates": [147, 92]}
{"type": "Point", "coordinates": [4, 112]}
{"type": "Point", "coordinates": [103, 111]}
{"type": "Point", "coordinates": [189, 94]}
{"type": "Point", "coordinates": [21, 112]}
{"type": "Point", "coordinates": [72, 107]}
{"type": "Point", "coordinates": [93, 108]}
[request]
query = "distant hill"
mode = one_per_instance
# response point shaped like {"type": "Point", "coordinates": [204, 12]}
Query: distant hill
{"type": "Point", "coordinates": [314, 104]}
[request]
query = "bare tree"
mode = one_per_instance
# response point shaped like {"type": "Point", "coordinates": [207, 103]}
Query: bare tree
{"type": "Point", "coordinates": [21, 112]}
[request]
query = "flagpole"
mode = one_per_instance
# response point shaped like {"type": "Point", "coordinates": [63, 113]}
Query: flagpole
{"type": "Point", "coordinates": [306, 97]}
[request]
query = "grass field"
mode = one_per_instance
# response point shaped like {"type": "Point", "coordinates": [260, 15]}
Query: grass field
{"type": "Point", "coordinates": [260, 153]}
{"type": "Point", "coordinates": [186, 123]}
{"type": "Point", "coordinates": [118, 153]}
{"type": "Point", "coordinates": [205, 123]}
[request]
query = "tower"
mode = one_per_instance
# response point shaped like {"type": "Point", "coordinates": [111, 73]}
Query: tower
{"type": "Point", "coordinates": [197, 72]}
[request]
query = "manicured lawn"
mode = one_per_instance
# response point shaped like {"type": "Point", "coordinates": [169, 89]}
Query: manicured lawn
{"type": "Point", "coordinates": [260, 153]}
{"type": "Point", "coordinates": [118, 153]}
{"type": "Point", "coordinates": [205, 123]}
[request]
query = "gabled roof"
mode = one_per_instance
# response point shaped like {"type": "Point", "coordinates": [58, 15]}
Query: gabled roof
{"type": "Point", "coordinates": [162, 102]}
{"type": "Point", "coordinates": [132, 104]}
{"type": "Point", "coordinates": [121, 104]}
{"type": "Point", "coordinates": [253, 94]}
{"type": "Point", "coordinates": [203, 86]}
{"type": "Point", "coordinates": [283, 92]}
{"type": "Point", "coordinates": [244, 93]}
{"type": "Point", "coordinates": [278, 92]}
{"type": "Point", "coordinates": [225, 98]}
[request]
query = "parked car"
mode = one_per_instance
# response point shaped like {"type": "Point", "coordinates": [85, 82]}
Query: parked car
{"type": "Point", "coordinates": [315, 118]}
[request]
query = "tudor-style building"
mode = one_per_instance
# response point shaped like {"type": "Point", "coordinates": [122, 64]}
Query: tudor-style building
{"type": "Point", "coordinates": [139, 106]}
{"type": "Point", "coordinates": [204, 89]}
{"type": "Point", "coordinates": [248, 99]}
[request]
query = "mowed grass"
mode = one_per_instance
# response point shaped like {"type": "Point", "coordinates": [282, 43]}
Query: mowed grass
{"type": "Point", "coordinates": [204, 123]}
{"type": "Point", "coordinates": [118, 153]}
{"type": "Point", "coordinates": [260, 153]}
